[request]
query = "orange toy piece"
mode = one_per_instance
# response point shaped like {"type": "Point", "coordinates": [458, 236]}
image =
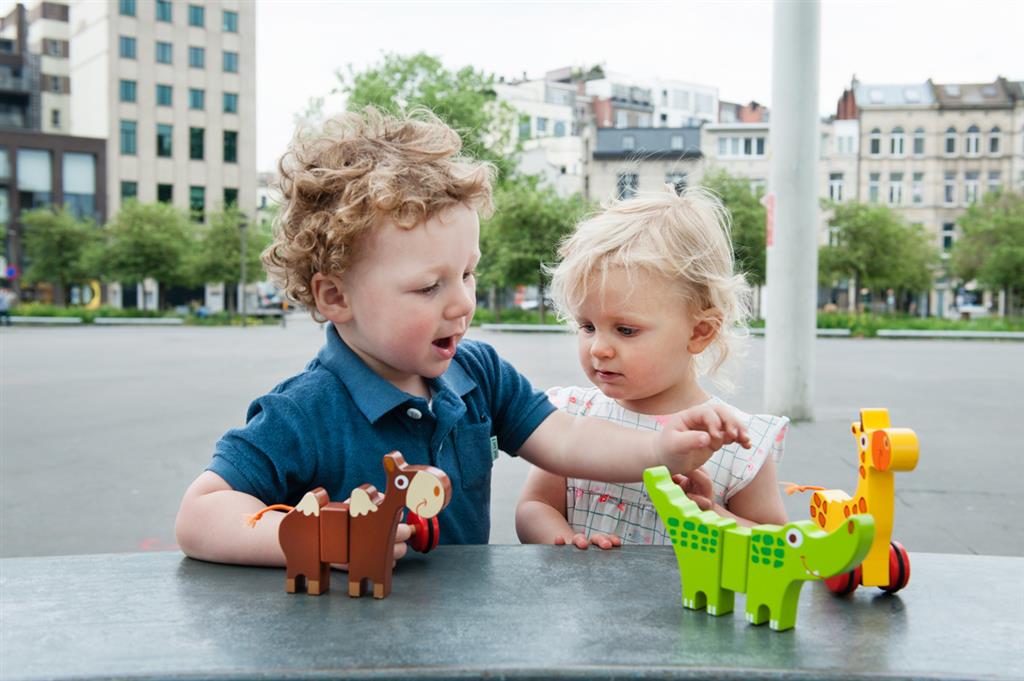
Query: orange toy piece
{"type": "Point", "coordinates": [882, 450]}
{"type": "Point", "coordinates": [361, 530]}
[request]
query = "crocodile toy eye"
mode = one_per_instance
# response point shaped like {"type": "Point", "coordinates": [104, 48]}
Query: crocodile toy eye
{"type": "Point", "coordinates": [401, 482]}
{"type": "Point", "coordinates": [794, 538]}
{"type": "Point", "coordinates": [863, 441]}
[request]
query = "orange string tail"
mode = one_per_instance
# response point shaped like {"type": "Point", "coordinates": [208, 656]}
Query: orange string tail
{"type": "Point", "coordinates": [792, 487]}
{"type": "Point", "coordinates": [255, 517]}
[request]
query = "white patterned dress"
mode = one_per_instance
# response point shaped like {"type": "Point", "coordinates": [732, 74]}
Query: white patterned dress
{"type": "Point", "coordinates": [625, 509]}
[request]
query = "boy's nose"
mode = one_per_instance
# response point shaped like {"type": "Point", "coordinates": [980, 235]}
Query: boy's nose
{"type": "Point", "coordinates": [462, 304]}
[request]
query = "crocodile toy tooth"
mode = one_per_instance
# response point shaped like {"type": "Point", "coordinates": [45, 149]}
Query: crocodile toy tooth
{"type": "Point", "coordinates": [769, 563]}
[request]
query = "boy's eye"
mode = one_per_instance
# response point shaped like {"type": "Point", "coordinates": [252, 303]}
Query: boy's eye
{"type": "Point", "coordinates": [469, 275]}
{"type": "Point", "coordinates": [428, 289]}
{"type": "Point", "coordinates": [627, 331]}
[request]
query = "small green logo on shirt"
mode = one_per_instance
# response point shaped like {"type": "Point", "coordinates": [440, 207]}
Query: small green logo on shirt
{"type": "Point", "coordinates": [494, 448]}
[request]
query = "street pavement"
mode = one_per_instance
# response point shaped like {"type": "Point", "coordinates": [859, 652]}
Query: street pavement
{"type": "Point", "coordinates": [101, 429]}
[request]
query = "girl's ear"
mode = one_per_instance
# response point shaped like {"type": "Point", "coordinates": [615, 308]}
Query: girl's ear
{"type": "Point", "coordinates": [331, 298]}
{"type": "Point", "coordinates": [705, 331]}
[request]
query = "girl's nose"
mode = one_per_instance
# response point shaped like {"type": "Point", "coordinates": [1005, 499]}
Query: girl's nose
{"type": "Point", "coordinates": [601, 348]}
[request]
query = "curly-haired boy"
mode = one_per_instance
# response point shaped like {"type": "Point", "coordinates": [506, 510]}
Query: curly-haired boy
{"type": "Point", "coordinates": [379, 237]}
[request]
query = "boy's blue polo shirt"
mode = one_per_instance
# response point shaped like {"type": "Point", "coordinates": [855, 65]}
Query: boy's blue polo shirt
{"type": "Point", "coordinates": [331, 425]}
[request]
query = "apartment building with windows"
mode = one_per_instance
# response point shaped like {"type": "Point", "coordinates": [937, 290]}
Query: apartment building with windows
{"type": "Point", "coordinates": [624, 101]}
{"type": "Point", "coordinates": [170, 84]}
{"type": "Point", "coordinates": [629, 160]}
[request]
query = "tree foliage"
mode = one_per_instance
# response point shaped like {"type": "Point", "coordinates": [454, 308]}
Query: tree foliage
{"type": "Point", "coordinates": [875, 248]}
{"type": "Point", "coordinates": [148, 241]}
{"type": "Point", "coordinates": [56, 244]}
{"type": "Point", "coordinates": [217, 255]}
{"type": "Point", "coordinates": [991, 248]}
{"type": "Point", "coordinates": [748, 222]}
{"type": "Point", "coordinates": [464, 99]}
{"type": "Point", "coordinates": [523, 234]}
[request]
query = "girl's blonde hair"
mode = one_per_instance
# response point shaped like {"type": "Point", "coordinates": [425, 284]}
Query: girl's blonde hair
{"type": "Point", "coordinates": [682, 238]}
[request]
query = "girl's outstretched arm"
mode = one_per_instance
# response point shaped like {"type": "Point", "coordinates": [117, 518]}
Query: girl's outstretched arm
{"type": "Point", "coordinates": [758, 503]}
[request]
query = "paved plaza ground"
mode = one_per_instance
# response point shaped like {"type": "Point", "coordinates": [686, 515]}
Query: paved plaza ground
{"type": "Point", "coordinates": [101, 429]}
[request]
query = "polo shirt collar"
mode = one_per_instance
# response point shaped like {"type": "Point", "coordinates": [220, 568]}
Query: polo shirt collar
{"type": "Point", "coordinates": [374, 396]}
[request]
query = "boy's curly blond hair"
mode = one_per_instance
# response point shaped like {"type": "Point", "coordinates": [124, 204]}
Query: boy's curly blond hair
{"type": "Point", "coordinates": [361, 169]}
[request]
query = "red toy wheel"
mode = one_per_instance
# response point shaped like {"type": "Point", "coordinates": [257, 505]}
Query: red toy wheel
{"type": "Point", "coordinates": [899, 568]}
{"type": "Point", "coordinates": [426, 532]}
{"type": "Point", "coordinates": [845, 583]}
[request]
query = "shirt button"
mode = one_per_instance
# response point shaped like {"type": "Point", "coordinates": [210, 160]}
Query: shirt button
{"type": "Point", "coordinates": [414, 413]}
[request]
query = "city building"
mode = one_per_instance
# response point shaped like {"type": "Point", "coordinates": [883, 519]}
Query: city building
{"type": "Point", "coordinates": [628, 160]}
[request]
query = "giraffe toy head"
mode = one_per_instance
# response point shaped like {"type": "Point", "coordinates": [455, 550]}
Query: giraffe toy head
{"type": "Point", "coordinates": [881, 447]}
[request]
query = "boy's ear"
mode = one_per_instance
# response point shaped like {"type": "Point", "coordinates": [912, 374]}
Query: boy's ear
{"type": "Point", "coordinates": [705, 331]}
{"type": "Point", "coordinates": [331, 298]}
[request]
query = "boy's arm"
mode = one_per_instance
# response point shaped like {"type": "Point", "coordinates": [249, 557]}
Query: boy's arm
{"type": "Point", "coordinates": [212, 525]}
{"type": "Point", "coordinates": [599, 450]}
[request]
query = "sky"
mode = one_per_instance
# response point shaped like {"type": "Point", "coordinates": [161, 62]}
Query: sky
{"type": "Point", "coordinates": [300, 45]}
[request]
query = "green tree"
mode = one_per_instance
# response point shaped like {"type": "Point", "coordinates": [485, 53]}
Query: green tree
{"type": "Point", "coordinates": [217, 256]}
{"type": "Point", "coordinates": [991, 248]}
{"type": "Point", "coordinates": [524, 232]}
{"type": "Point", "coordinates": [55, 245]}
{"type": "Point", "coordinates": [464, 99]}
{"type": "Point", "coordinates": [148, 241]}
{"type": "Point", "coordinates": [877, 250]}
{"type": "Point", "coordinates": [748, 224]}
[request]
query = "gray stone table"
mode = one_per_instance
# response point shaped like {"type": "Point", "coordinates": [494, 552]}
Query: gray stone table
{"type": "Point", "coordinates": [516, 612]}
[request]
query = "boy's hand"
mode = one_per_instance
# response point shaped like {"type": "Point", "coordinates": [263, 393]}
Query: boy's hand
{"type": "Point", "coordinates": [691, 436]}
{"type": "Point", "coordinates": [402, 535]}
{"type": "Point", "coordinates": [697, 486]}
{"type": "Point", "coordinates": [580, 541]}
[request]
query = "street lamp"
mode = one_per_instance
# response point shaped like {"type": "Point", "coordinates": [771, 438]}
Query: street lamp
{"type": "Point", "coordinates": [242, 226]}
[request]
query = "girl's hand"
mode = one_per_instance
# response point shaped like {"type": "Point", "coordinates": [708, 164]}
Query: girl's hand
{"type": "Point", "coordinates": [580, 541]}
{"type": "Point", "coordinates": [697, 486]}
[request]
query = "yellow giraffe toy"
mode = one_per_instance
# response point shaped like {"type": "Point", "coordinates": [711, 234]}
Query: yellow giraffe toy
{"type": "Point", "coordinates": [882, 450]}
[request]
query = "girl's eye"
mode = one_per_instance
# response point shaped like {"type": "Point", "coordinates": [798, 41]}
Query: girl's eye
{"type": "Point", "coordinates": [587, 328]}
{"type": "Point", "coordinates": [627, 331]}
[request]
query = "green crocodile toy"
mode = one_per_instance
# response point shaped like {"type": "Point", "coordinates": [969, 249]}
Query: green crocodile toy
{"type": "Point", "coordinates": [718, 558]}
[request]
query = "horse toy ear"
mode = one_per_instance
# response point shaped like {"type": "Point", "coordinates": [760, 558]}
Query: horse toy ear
{"type": "Point", "coordinates": [393, 462]}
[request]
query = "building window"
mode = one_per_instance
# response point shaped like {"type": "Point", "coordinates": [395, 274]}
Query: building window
{"type": "Point", "coordinates": [873, 187]}
{"type": "Point", "coordinates": [126, 47]}
{"type": "Point", "coordinates": [628, 142]}
{"type": "Point", "coordinates": [748, 146]}
{"type": "Point", "coordinates": [972, 145]}
{"type": "Point", "coordinates": [723, 146]}
{"type": "Point", "coordinates": [759, 146]}
{"type": "Point", "coordinates": [195, 144]}
{"type": "Point", "coordinates": [55, 118]}
{"type": "Point", "coordinates": [948, 233]}
{"type": "Point", "coordinates": [196, 16]}
{"type": "Point", "coordinates": [164, 53]}
{"type": "Point", "coordinates": [127, 90]}
{"type": "Point", "coordinates": [627, 185]}
{"type": "Point", "coordinates": [128, 138]}
{"type": "Point", "coordinates": [949, 188]}
{"type": "Point", "coordinates": [78, 176]}
{"type": "Point", "coordinates": [129, 190]}
{"type": "Point", "coordinates": [676, 142]}
{"type": "Point", "coordinates": [164, 135]}
{"type": "Point", "coordinates": [917, 188]}
{"type": "Point", "coordinates": [993, 141]}
{"type": "Point", "coordinates": [165, 193]}
{"type": "Point", "coordinates": [950, 141]}
{"type": "Point", "coordinates": [127, 8]}
{"type": "Point", "coordinates": [835, 187]}
{"type": "Point", "coordinates": [559, 128]}
{"type": "Point", "coordinates": [995, 180]}
{"type": "Point", "coordinates": [197, 57]}
{"type": "Point", "coordinates": [919, 142]}
{"type": "Point", "coordinates": [229, 23]}
{"type": "Point", "coordinates": [896, 142]}
{"type": "Point", "coordinates": [875, 142]}
{"type": "Point", "coordinates": [163, 10]}
{"type": "Point", "coordinates": [231, 63]}
{"type": "Point", "coordinates": [895, 188]}
{"type": "Point", "coordinates": [677, 179]}
{"type": "Point", "coordinates": [643, 120]}
{"type": "Point", "coordinates": [231, 103]}
{"type": "Point", "coordinates": [971, 187]}
{"type": "Point", "coordinates": [197, 202]}
{"type": "Point", "coordinates": [542, 123]}
{"type": "Point", "coordinates": [35, 178]}
{"type": "Point", "coordinates": [230, 197]}
{"type": "Point", "coordinates": [196, 99]}
{"type": "Point", "coordinates": [164, 95]}
{"type": "Point", "coordinates": [621, 119]}
{"type": "Point", "coordinates": [230, 146]}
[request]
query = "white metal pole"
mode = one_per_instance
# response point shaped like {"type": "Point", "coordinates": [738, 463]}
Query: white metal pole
{"type": "Point", "coordinates": [792, 267]}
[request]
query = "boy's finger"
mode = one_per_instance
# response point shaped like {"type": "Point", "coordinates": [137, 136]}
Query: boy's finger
{"type": "Point", "coordinates": [403, 533]}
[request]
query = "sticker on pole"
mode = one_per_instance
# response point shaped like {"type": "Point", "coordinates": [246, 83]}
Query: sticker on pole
{"type": "Point", "coordinates": [768, 201]}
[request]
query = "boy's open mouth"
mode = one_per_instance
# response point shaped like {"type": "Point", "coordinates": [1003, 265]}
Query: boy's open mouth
{"type": "Point", "coordinates": [445, 347]}
{"type": "Point", "coordinates": [445, 343]}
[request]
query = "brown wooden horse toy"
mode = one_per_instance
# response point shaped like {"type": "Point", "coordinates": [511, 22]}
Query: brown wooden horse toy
{"type": "Point", "coordinates": [361, 530]}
